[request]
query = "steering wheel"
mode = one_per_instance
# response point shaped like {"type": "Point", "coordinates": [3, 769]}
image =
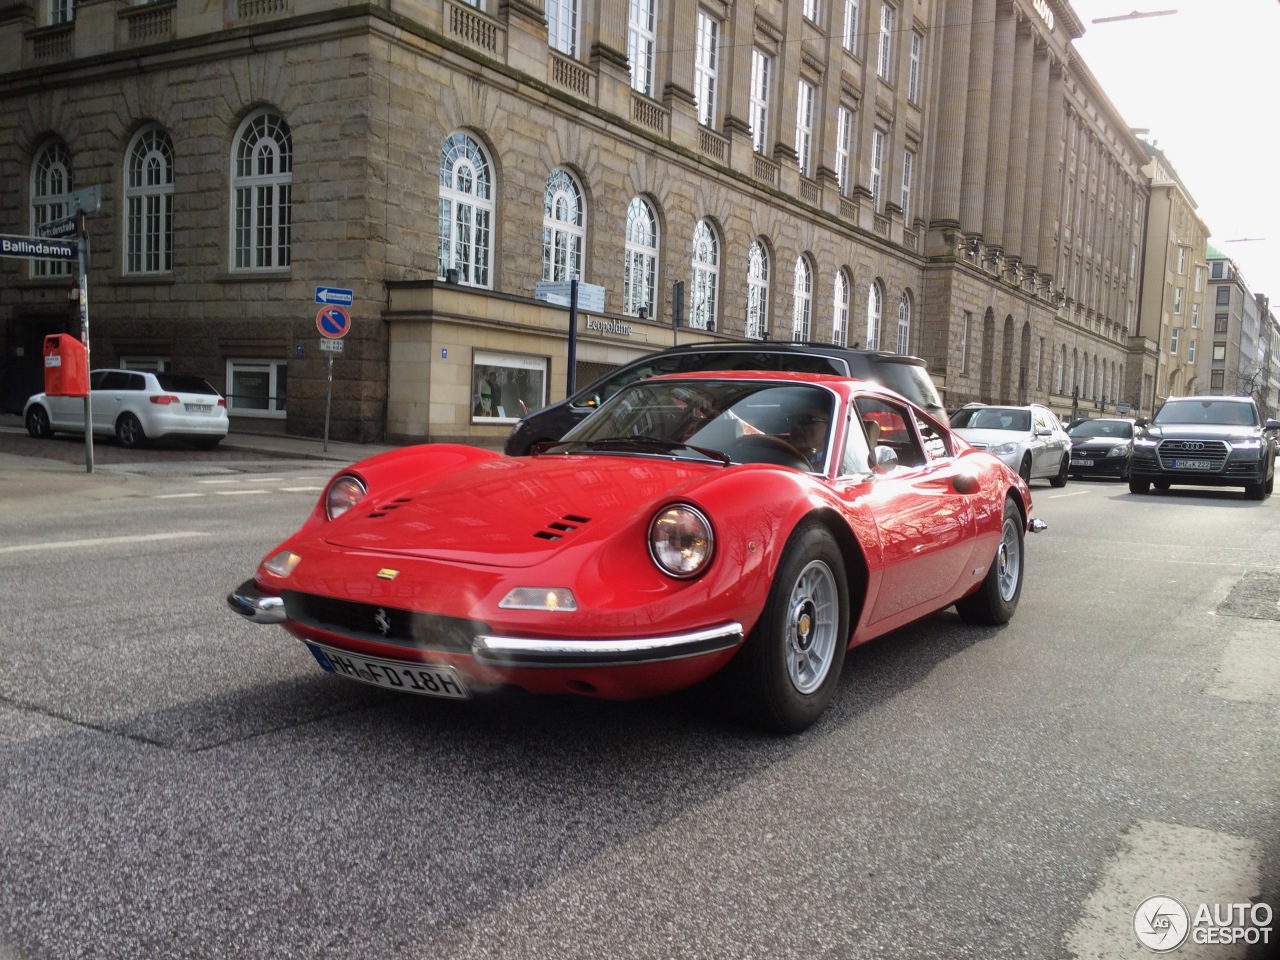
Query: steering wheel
{"type": "Point", "coordinates": [766, 448]}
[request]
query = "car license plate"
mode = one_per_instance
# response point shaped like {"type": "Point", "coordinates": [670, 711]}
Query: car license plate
{"type": "Point", "coordinates": [1082, 463]}
{"type": "Point", "coordinates": [1192, 464]}
{"type": "Point", "coordinates": [199, 407]}
{"type": "Point", "coordinates": [404, 676]}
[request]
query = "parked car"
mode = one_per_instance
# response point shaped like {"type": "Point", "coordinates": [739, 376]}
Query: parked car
{"type": "Point", "coordinates": [1030, 439]}
{"type": "Point", "coordinates": [1206, 441]}
{"type": "Point", "coordinates": [1101, 447]}
{"type": "Point", "coordinates": [907, 375]}
{"type": "Point", "coordinates": [135, 406]}
{"type": "Point", "coordinates": [736, 527]}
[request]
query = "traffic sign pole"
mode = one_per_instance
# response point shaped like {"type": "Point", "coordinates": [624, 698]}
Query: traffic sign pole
{"type": "Point", "coordinates": [573, 336]}
{"type": "Point", "coordinates": [84, 337]}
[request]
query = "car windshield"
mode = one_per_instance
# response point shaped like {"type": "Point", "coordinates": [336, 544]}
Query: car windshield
{"type": "Point", "coordinates": [728, 420]}
{"type": "Point", "coordinates": [911, 380]}
{"type": "Point", "coordinates": [1119, 429]}
{"type": "Point", "coordinates": [1207, 411]}
{"type": "Point", "coordinates": [992, 418]}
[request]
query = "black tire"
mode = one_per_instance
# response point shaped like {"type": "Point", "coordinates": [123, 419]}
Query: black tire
{"type": "Point", "coordinates": [38, 423]}
{"type": "Point", "coordinates": [1255, 491]}
{"type": "Point", "coordinates": [206, 443]}
{"type": "Point", "coordinates": [997, 598]}
{"type": "Point", "coordinates": [129, 432]}
{"type": "Point", "coordinates": [1160, 484]}
{"type": "Point", "coordinates": [787, 671]}
{"type": "Point", "coordinates": [1061, 479]}
{"type": "Point", "coordinates": [1139, 486]}
{"type": "Point", "coordinates": [1024, 468]}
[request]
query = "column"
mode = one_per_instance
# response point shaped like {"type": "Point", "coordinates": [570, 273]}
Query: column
{"type": "Point", "coordinates": [1019, 134]}
{"type": "Point", "coordinates": [977, 116]}
{"type": "Point", "coordinates": [1035, 157]}
{"type": "Point", "coordinates": [1001, 111]}
{"type": "Point", "coordinates": [956, 22]}
{"type": "Point", "coordinates": [1051, 176]}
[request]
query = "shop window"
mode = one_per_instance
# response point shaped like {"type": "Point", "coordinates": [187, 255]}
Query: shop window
{"type": "Point", "coordinates": [505, 387]}
{"type": "Point", "coordinates": [256, 388]}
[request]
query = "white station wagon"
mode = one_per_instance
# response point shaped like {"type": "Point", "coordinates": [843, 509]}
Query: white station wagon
{"type": "Point", "coordinates": [135, 406]}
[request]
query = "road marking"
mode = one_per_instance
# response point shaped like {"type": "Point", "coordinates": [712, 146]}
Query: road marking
{"type": "Point", "coordinates": [237, 493]}
{"type": "Point", "coordinates": [1074, 493]}
{"type": "Point", "coordinates": [175, 496]}
{"type": "Point", "coordinates": [302, 489]}
{"type": "Point", "coordinates": [1192, 865]}
{"type": "Point", "coordinates": [101, 541]}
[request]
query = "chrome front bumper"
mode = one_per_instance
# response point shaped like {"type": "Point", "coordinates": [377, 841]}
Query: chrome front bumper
{"type": "Point", "coordinates": [523, 652]}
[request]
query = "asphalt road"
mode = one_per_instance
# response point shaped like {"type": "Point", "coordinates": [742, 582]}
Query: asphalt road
{"type": "Point", "coordinates": [177, 783]}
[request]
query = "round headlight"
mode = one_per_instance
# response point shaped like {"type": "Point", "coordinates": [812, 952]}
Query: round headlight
{"type": "Point", "coordinates": [343, 494]}
{"type": "Point", "coordinates": [681, 541]}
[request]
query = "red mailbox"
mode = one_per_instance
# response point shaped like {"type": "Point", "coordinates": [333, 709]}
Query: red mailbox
{"type": "Point", "coordinates": [66, 366]}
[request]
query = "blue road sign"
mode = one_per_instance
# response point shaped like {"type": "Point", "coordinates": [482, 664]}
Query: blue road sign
{"type": "Point", "coordinates": [335, 295]}
{"type": "Point", "coordinates": [333, 322]}
{"type": "Point", "coordinates": [38, 248]}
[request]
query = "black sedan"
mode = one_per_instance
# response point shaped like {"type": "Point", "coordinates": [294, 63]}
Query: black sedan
{"type": "Point", "coordinates": [1101, 447]}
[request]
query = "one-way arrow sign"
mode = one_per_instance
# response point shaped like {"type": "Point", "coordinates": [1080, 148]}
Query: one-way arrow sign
{"type": "Point", "coordinates": [334, 295]}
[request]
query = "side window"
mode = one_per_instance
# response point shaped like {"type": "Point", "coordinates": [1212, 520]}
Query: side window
{"type": "Point", "coordinates": [97, 380]}
{"type": "Point", "coordinates": [115, 380]}
{"type": "Point", "coordinates": [603, 391]}
{"type": "Point", "coordinates": [136, 382]}
{"type": "Point", "coordinates": [857, 449]}
{"type": "Point", "coordinates": [896, 428]}
{"type": "Point", "coordinates": [935, 446]}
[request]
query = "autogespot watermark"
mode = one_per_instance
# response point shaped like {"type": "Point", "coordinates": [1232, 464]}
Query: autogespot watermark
{"type": "Point", "coordinates": [1163, 924]}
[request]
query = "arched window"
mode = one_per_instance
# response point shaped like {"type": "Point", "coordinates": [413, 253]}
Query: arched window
{"type": "Point", "coordinates": [758, 290]}
{"type": "Point", "coordinates": [564, 227]}
{"type": "Point", "coordinates": [640, 268]}
{"type": "Point", "coordinates": [875, 310]}
{"type": "Point", "coordinates": [51, 188]}
{"type": "Point", "coordinates": [840, 313]}
{"type": "Point", "coordinates": [465, 217]}
{"type": "Point", "coordinates": [148, 198]}
{"type": "Point", "coordinates": [704, 297]}
{"type": "Point", "coordinates": [802, 300]}
{"type": "Point", "coordinates": [262, 194]}
{"type": "Point", "coordinates": [903, 343]}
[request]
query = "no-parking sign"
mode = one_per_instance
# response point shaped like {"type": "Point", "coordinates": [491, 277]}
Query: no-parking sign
{"type": "Point", "coordinates": [333, 322]}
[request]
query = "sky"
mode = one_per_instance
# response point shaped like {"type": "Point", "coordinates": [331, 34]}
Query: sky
{"type": "Point", "coordinates": [1203, 82]}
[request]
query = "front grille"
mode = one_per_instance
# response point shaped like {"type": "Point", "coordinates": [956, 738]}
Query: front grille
{"type": "Point", "coordinates": [381, 624]}
{"type": "Point", "coordinates": [1214, 451]}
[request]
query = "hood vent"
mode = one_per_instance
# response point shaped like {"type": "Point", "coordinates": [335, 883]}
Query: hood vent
{"type": "Point", "coordinates": [387, 507]}
{"type": "Point", "coordinates": [557, 529]}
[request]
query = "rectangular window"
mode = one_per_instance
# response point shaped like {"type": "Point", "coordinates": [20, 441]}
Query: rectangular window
{"type": "Point", "coordinates": [877, 160]}
{"type": "Point", "coordinates": [1216, 270]}
{"type": "Point", "coordinates": [1219, 323]}
{"type": "Point", "coordinates": [913, 73]}
{"type": "Point", "coordinates": [851, 26]}
{"type": "Point", "coordinates": [964, 341]}
{"type": "Point", "coordinates": [505, 387]}
{"type": "Point", "coordinates": [844, 137]}
{"type": "Point", "coordinates": [1173, 341]}
{"type": "Point", "coordinates": [804, 127]}
{"type": "Point", "coordinates": [642, 39]}
{"type": "Point", "coordinates": [257, 388]}
{"type": "Point", "coordinates": [1216, 380]}
{"type": "Point", "coordinates": [1177, 300]}
{"type": "Point", "coordinates": [1182, 261]}
{"type": "Point", "coordinates": [1133, 261]}
{"type": "Point", "coordinates": [1195, 315]}
{"type": "Point", "coordinates": [1191, 351]}
{"type": "Point", "coordinates": [562, 26]}
{"type": "Point", "coordinates": [811, 10]}
{"type": "Point", "coordinates": [1224, 296]}
{"type": "Point", "coordinates": [706, 60]}
{"type": "Point", "coordinates": [1219, 353]}
{"type": "Point", "coordinates": [885, 60]}
{"type": "Point", "coordinates": [61, 11]}
{"type": "Point", "coordinates": [908, 162]}
{"type": "Point", "coordinates": [758, 107]}
{"type": "Point", "coordinates": [1199, 279]}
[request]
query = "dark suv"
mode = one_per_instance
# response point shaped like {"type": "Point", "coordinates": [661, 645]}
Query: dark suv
{"type": "Point", "coordinates": [906, 375]}
{"type": "Point", "coordinates": [1205, 441]}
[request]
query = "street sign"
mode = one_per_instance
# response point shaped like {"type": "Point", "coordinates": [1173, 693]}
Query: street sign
{"type": "Point", "coordinates": [335, 295]}
{"type": "Point", "coordinates": [88, 199]}
{"type": "Point", "coordinates": [332, 346]}
{"type": "Point", "coordinates": [333, 322]}
{"type": "Point", "coordinates": [57, 229]}
{"type": "Point", "coordinates": [38, 248]}
{"type": "Point", "coordinates": [590, 295]}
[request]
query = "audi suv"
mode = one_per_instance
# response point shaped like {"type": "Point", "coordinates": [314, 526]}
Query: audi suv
{"type": "Point", "coordinates": [1206, 441]}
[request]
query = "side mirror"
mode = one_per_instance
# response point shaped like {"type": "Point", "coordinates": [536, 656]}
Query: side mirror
{"type": "Point", "coordinates": [884, 459]}
{"type": "Point", "coordinates": [1272, 424]}
{"type": "Point", "coordinates": [1140, 422]}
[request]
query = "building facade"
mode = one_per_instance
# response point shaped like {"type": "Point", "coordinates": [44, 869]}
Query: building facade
{"type": "Point", "coordinates": [937, 177]}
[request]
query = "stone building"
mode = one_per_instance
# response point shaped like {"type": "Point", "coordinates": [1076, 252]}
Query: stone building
{"type": "Point", "coordinates": [1174, 309]}
{"type": "Point", "coordinates": [939, 177]}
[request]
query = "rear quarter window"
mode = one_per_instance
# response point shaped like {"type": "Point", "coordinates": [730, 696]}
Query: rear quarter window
{"type": "Point", "coordinates": [181, 383]}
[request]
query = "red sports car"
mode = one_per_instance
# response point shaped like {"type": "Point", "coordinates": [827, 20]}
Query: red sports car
{"type": "Point", "coordinates": [742, 527]}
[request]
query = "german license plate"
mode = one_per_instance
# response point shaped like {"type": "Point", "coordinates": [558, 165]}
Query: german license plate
{"type": "Point", "coordinates": [1192, 464]}
{"type": "Point", "coordinates": [199, 408]}
{"type": "Point", "coordinates": [1082, 463]}
{"type": "Point", "coordinates": [403, 676]}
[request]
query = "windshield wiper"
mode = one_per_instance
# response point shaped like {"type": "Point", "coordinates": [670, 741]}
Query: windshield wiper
{"type": "Point", "coordinates": [656, 444]}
